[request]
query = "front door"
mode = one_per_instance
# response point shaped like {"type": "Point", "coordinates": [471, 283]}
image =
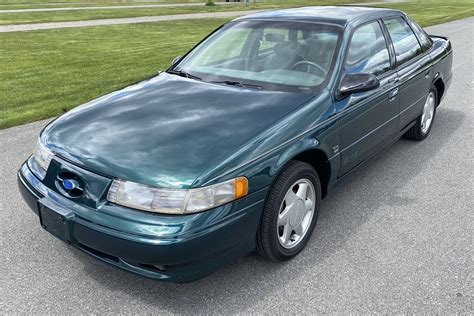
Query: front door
{"type": "Point", "coordinates": [368, 119]}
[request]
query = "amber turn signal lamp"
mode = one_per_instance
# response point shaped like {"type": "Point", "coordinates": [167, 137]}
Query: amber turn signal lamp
{"type": "Point", "coordinates": [241, 187]}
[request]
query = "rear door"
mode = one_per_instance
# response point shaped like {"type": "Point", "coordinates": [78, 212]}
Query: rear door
{"type": "Point", "coordinates": [368, 119]}
{"type": "Point", "coordinates": [414, 68]}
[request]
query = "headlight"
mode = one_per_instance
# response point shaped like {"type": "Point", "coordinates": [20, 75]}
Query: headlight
{"type": "Point", "coordinates": [176, 201]}
{"type": "Point", "coordinates": [43, 155]}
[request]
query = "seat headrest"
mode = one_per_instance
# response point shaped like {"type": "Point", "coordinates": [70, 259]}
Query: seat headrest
{"type": "Point", "coordinates": [287, 49]}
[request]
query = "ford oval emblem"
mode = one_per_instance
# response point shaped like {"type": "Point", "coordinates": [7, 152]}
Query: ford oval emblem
{"type": "Point", "coordinates": [70, 184]}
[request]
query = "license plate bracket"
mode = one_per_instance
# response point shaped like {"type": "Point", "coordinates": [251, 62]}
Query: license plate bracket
{"type": "Point", "coordinates": [55, 222]}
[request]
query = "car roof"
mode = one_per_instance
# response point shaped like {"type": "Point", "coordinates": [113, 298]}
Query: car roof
{"type": "Point", "coordinates": [340, 15]}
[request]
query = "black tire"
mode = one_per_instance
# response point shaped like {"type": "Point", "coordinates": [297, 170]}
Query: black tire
{"type": "Point", "coordinates": [268, 245]}
{"type": "Point", "coordinates": [416, 132]}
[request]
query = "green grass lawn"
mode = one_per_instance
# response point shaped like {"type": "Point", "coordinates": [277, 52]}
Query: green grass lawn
{"type": "Point", "coordinates": [57, 16]}
{"type": "Point", "coordinates": [28, 4]}
{"type": "Point", "coordinates": [56, 2]}
{"type": "Point", "coordinates": [15, 6]}
{"type": "Point", "coordinates": [44, 73]}
{"type": "Point", "coordinates": [23, 4]}
{"type": "Point", "coordinates": [430, 12]}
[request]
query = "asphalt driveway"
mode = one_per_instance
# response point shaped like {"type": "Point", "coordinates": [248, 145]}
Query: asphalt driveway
{"type": "Point", "coordinates": [396, 237]}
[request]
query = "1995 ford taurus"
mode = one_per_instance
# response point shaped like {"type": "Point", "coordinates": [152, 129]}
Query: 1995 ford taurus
{"type": "Point", "coordinates": [233, 148]}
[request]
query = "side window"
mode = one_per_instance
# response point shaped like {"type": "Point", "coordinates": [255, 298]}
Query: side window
{"type": "Point", "coordinates": [425, 40]}
{"type": "Point", "coordinates": [368, 51]}
{"type": "Point", "coordinates": [404, 41]}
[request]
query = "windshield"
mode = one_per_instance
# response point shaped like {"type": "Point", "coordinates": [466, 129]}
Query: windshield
{"type": "Point", "coordinates": [275, 55]}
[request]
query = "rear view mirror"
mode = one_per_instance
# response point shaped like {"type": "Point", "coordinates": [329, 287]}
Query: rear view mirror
{"type": "Point", "coordinates": [175, 60]}
{"type": "Point", "coordinates": [274, 37]}
{"type": "Point", "coordinates": [355, 83]}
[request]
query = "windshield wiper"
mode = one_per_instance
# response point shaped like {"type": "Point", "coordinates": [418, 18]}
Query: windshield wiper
{"type": "Point", "coordinates": [238, 83]}
{"type": "Point", "coordinates": [183, 73]}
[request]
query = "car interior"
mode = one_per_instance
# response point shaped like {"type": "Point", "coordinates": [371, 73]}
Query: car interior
{"type": "Point", "coordinates": [280, 55]}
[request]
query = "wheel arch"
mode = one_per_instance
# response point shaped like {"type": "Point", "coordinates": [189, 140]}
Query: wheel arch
{"type": "Point", "coordinates": [440, 89]}
{"type": "Point", "coordinates": [318, 159]}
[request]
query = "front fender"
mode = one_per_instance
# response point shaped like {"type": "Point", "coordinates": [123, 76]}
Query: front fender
{"type": "Point", "coordinates": [309, 127]}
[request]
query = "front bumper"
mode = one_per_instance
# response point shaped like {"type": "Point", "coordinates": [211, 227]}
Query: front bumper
{"type": "Point", "coordinates": [178, 248]}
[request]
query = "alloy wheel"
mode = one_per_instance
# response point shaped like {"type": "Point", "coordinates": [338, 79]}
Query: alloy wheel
{"type": "Point", "coordinates": [296, 213]}
{"type": "Point", "coordinates": [428, 112]}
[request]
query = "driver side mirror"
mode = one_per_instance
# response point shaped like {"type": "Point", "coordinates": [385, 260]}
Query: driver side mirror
{"type": "Point", "coordinates": [175, 60]}
{"type": "Point", "coordinates": [355, 83]}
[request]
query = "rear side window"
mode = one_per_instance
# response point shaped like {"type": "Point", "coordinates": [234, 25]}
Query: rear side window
{"type": "Point", "coordinates": [425, 40]}
{"type": "Point", "coordinates": [368, 51]}
{"type": "Point", "coordinates": [404, 40]}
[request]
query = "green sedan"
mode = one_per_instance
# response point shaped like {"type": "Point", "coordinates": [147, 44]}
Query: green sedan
{"type": "Point", "coordinates": [232, 149]}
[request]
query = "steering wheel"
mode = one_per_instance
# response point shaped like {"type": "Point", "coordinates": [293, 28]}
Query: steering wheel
{"type": "Point", "coordinates": [320, 69]}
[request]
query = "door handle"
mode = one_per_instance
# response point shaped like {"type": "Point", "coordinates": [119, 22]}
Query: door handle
{"type": "Point", "coordinates": [393, 94]}
{"type": "Point", "coordinates": [393, 80]}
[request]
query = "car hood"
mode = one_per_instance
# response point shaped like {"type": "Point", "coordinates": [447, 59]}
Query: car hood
{"type": "Point", "coordinates": [165, 131]}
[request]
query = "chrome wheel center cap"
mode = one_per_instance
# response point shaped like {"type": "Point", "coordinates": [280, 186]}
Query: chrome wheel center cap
{"type": "Point", "coordinates": [297, 213]}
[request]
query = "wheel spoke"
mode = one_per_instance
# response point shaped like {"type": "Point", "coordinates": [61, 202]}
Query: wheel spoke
{"type": "Point", "coordinates": [284, 216]}
{"type": "Point", "coordinates": [286, 234]}
{"type": "Point", "coordinates": [302, 190]}
{"type": "Point", "coordinates": [299, 230]}
{"type": "Point", "coordinates": [290, 198]}
{"type": "Point", "coordinates": [308, 205]}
